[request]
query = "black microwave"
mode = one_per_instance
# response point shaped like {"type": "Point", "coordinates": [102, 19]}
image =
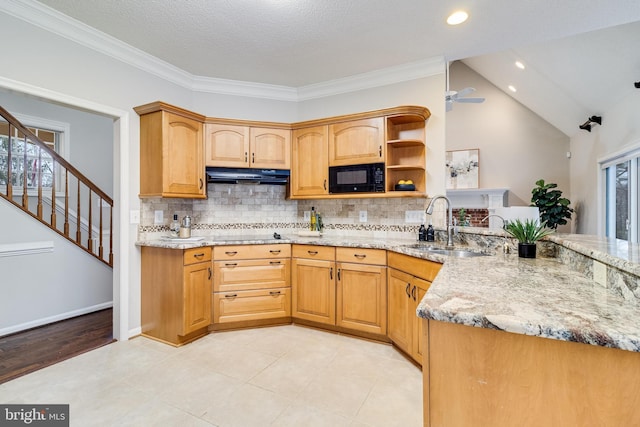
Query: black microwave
{"type": "Point", "coordinates": [367, 178]}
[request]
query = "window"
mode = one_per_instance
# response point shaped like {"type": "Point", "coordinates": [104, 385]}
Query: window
{"type": "Point", "coordinates": [622, 191]}
{"type": "Point", "coordinates": [38, 165]}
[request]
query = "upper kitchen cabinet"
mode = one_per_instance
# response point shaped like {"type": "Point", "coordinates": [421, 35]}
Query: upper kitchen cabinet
{"type": "Point", "coordinates": [171, 152]}
{"type": "Point", "coordinates": [229, 145]}
{"type": "Point", "coordinates": [356, 142]}
{"type": "Point", "coordinates": [310, 163]}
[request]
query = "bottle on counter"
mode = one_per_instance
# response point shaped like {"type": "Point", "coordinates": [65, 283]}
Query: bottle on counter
{"type": "Point", "coordinates": [313, 224]}
{"type": "Point", "coordinates": [431, 233]}
{"type": "Point", "coordinates": [174, 227]}
{"type": "Point", "coordinates": [422, 233]}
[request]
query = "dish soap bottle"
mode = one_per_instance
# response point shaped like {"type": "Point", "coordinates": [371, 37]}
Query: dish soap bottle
{"type": "Point", "coordinates": [174, 227]}
{"type": "Point", "coordinates": [431, 233]}
{"type": "Point", "coordinates": [422, 233]}
{"type": "Point", "coordinates": [314, 220]}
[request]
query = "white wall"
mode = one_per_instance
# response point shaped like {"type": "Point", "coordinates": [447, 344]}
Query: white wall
{"type": "Point", "coordinates": [517, 147]}
{"type": "Point", "coordinates": [620, 128]}
{"type": "Point", "coordinates": [50, 286]}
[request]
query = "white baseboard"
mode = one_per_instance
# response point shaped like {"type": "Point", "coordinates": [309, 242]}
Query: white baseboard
{"type": "Point", "coordinates": [56, 318]}
{"type": "Point", "coordinates": [135, 332]}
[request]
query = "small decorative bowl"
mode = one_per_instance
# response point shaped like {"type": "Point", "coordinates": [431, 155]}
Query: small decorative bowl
{"type": "Point", "coordinates": [405, 187]}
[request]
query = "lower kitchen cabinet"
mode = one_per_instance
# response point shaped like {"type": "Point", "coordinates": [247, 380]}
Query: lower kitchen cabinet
{"type": "Point", "coordinates": [405, 291]}
{"type": "Point", "coordinates": [252, 283]}
{"type": "Point", "coordinates": [314, 286]}
{"type": "Point", "coordinates": [361, 292]}
{"type": "Point", "coordinates": [176, 293]}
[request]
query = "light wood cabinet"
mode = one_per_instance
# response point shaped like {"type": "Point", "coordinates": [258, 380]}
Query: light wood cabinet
{"type": "Point", "coordinates": [249, 147]}
{"type": "Point", "coordinates": [406, 158]}
{"type": "Point", "coordinates": [405, 291]}
{"type": "Point", "coordinates": [356, 142]}
{"type": "Point", "coordinates": [310, 162]}
{"type": "Point", "coordinates": [251, 283]}
{"type": "Point", "coordinates": [171, 152]}
{"type": "Point", "coordinates": [176, 293]}
{"type": "Point", "coordinates": [313, 283]}
{"type": "Point", "coordinates": [361, 294]}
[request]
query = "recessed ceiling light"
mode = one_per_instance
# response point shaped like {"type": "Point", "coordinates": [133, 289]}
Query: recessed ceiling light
{"type": "Point", "coordinates": [457, 17]}
{"type": "Point", "coordinates": [520, 65]}
{"type": "Point", "coordinates": [512, 88]}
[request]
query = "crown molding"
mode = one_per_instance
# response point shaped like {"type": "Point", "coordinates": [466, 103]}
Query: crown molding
{"type": "Point", "coordinates": [55, 22]}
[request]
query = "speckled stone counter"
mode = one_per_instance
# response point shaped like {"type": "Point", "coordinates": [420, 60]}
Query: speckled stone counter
{"type": "Point", "coordinates": [546, 297]}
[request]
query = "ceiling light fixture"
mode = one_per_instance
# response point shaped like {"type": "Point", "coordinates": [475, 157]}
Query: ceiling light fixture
{"type": "Point", "coordinates": [512, 88]}
{"type": "Point", "coordinates": [457, 17]}
{"type": "Point", "coordinates": [520, 65]}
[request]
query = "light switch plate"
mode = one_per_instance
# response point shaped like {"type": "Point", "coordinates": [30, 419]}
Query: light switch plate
{"type": "Point", "coordinates": [414, 217]}
{"type": "Point", "coordinates": [363, 216]}
{"type": "Point", "coordinates": [158, 217]}
{"type": "Point", "coordinates": [307, 215]}
{"type": "Point", "coordinates": [600, 273]}
{"type": "Point", "coordinates": [134, 217]}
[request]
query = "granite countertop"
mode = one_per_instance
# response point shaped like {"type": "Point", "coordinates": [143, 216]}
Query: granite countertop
{"type": "Point", "coordinates": [538, 297]}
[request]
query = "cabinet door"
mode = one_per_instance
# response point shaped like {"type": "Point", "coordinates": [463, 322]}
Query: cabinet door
{"type": "Point", "coordinates": [314, 290]}
{"type": "Point", "coordinates": [362, 297]}
{"type": "Point", "coordinates": [183, 166]}
{"type": "Point", "coordinates": [310, 162]}
{"type": "Point", "coordinates": [197, 297]}
{"type": "Point", "coordinates": [226, 145]}
{"type": "Point", "coordinates": [400, 303]}
{"type": "Point", "coordinates": [270, 148]}
{"type": "Point", "coordinates": [356, 142]}
{"type": "Point", "coordinates": [419, 289]}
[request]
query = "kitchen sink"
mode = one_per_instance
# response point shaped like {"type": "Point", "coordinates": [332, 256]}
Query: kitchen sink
{"type": "Point", "coordinates": [458, 253]}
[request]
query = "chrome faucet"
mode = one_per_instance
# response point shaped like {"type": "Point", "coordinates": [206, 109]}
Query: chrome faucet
{"type": "Point", "coordinates": [505, 245]}
{"type": "Point", "coordinates": [504, 222]}
{"type": "Point", "coordinates": [429, 211]}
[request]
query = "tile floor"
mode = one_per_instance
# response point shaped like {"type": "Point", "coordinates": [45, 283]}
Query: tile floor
{"type": "Point", "coordinates": [277, 376]}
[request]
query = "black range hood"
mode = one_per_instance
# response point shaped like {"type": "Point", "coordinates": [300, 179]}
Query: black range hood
{"type": "Point", "coordinates": [247, 176]}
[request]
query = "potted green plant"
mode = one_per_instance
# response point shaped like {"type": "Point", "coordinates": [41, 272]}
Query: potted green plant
{"type": "Point", "coordinates": [554, 209]}
{"type": "Point", "coordinates": [527, 232]}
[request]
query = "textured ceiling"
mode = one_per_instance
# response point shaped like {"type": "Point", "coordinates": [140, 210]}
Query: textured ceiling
{"type": "Point", "coordinates": [301, 42]}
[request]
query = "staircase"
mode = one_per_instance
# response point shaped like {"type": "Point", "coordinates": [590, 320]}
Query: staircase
{"type": "Point", "coordinates": [45, 186]}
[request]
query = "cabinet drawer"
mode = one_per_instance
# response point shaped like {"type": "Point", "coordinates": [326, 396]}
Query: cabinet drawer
{"type": "Point", "coordinates": [421, 268]}
{"type": "Point", "coordinates": [221, 253]}
{"type": "Point", "coordinates": [326, 253]}
{"type": "Point", "coordinates": [251, 305]}
{"type": "Point", "coordinates": [195, 255]}
{"type": "Point", "coordinates": [362, 256]}
{"type": "Point", "coordinates": [251, 274]}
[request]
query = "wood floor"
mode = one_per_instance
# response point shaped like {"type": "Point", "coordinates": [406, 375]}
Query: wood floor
{"type": "Point", "coordinates": [28, 351]}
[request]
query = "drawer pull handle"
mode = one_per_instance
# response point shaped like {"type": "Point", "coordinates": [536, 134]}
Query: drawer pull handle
{"type": "Point", "coordinates": [312, 252]}
{"type": "Point", "coordinates": [209, 274]}
{"type": "Point", "coordinates": [198, 255]}
{"type": "Point", "coordinates": [231, 295]}
{"type": "Point", "coordinates": [231, 253]}
{"type": "Point", "coordinates": [274, 293]}
{"type": "Point", "coordinates": [274, 262]}
{"type": "Point", "coordinates": [230, 264]}
{"type": "Point", "coordinates": [407, 290]}
{"type": "Point", "coordinates": [331, 273]}
{"type": "Point", "coordinates": [413, 293]}
{"type": "Point", "coordinates": [338, 275]}
{"type": "Point", "coordinates": [360, 256]}
{"type": "Point", "coordinates": [275, 251]}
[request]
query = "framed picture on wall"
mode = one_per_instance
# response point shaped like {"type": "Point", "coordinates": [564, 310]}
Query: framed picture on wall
{"type": "Point", "coordinates": [463, 169]}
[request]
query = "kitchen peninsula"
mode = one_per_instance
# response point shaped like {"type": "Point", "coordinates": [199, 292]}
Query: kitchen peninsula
{"type": "Point", "coordinates": [504, 338]}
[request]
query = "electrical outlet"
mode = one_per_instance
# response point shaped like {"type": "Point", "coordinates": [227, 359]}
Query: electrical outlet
{"type": "Point", "coordinates": [600, 273]}
{"type": "Point", "coordinates": [307, 216]}
{"type": "Point", "coordinates": [363, 216]}
{"type": "Point", "coordinates": [158, 217]}
{"type": "Point", "coordinates": [414, 217]}
{"type": "Point", "coordinates": [134, 217]}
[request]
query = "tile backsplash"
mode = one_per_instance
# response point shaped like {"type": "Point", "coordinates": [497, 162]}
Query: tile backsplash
{"type": "Point", "coordinates": [240, 208]}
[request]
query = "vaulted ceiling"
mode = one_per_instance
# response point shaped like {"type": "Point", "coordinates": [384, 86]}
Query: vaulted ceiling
{"type": "Point", "coordinates": [298, 43]}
